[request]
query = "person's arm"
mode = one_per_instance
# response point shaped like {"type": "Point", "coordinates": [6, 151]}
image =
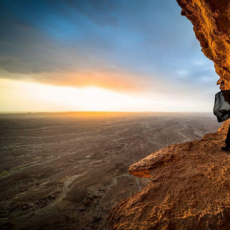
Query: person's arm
{"type": "Point", "coordinates": [224, 112]}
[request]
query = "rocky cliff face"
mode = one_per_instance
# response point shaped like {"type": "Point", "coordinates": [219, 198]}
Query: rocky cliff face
{"type": "Point", "coordinates": [190, 182]}
{"type": "Point", "coordinates": [189, 188]}
{"type": "Point", "coordinates": [211, 21]}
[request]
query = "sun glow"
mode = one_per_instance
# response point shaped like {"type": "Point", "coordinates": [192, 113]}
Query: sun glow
{"type": "Point", "coordinates": [26, 96]}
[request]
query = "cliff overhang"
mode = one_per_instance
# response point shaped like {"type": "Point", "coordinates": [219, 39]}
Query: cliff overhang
{"type": "Point", "coordinates": [190, 182]}
{"type": "Point", "coordinates": [211, 25]}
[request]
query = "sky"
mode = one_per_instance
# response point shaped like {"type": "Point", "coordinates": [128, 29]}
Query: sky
{"type": "Point", "coordinates": [103, 55]}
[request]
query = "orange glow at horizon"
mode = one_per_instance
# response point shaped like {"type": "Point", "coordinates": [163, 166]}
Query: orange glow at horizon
{"type": "Point", "coordinates": [34, 97]}
{"type": "Point", "coordinates": [23, 96]}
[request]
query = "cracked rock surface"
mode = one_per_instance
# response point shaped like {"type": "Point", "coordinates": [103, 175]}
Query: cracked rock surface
{"type": "Point", "coordinates": [189, 188]}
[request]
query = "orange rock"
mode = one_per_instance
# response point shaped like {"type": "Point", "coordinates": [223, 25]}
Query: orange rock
{"type": "Point", "coordinates": [211, 21]}
{"type": "Point", "coordinates": [190, 188]}
{"type": "Point", "coordinates": [190, 182]}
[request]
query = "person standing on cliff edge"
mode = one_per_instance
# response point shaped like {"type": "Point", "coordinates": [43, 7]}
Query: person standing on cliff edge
{"type": "Point", "coordinates": [222, 109]}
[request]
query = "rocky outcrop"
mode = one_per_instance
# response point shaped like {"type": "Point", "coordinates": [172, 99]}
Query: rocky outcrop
{"type": "Point", "coordinates": [190, 182]}
{"type": "Point", "coordinates": [189, 188]}
{"type": "Point", "coordinates": [211, 21]}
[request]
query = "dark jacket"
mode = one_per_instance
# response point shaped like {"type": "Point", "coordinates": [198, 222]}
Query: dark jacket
{"type": "Point", "coordinates": [222, 105]}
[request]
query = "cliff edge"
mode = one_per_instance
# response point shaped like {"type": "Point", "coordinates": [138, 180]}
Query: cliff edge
{"type": "Point", "coordinates": [189, 188]}
{"type": "Point", "coordinates": [211, 24]}
{"type": "Point", "coordinates": [190, 182]}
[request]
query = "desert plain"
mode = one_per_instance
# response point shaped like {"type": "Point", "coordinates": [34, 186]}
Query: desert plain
{"type": "Point", "coordinates": [67, 170]}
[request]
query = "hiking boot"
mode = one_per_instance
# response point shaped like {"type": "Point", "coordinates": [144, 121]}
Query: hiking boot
{"type": "Point", "coordinates": [225, 148]}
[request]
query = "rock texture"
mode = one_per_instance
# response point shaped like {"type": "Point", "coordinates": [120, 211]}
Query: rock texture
{"type": "Point", "coordinates": [190, 182]}
{"type": "Point", "coordinates": [189, 188]}
{"type": "Point", "coordinates": [211, 21]}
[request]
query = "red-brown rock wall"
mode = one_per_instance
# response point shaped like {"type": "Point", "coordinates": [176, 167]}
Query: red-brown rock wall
{"type": "Point", "coordinates": [211, 21]}
{"type": "Point", "coordinates": [190, 182]}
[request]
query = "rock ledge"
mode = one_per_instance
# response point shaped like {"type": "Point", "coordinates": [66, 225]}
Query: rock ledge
{"type": "Point", "coordinates": [189, 188]}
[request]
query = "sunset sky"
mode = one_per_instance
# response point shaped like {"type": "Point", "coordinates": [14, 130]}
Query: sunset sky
{"type": "Point", "coordinates": [103, 55]}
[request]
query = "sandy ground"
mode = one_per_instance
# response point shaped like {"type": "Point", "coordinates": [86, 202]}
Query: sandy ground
{"type": "Point", "coordinates": [67, 170]}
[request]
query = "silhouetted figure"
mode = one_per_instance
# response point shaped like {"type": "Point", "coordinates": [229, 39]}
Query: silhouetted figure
{"type": "Point", "coordinates": [222, 111]}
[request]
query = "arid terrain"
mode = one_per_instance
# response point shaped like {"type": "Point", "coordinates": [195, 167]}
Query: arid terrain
{"type": "Point", "coordinates": [67, 170]}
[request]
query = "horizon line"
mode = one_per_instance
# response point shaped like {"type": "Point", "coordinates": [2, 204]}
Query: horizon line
{"type": "Point", "coordinates": [36, 112]}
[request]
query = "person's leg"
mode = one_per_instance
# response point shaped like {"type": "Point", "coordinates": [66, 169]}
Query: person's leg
{"type": "Point", "coordinates": [227, 140]}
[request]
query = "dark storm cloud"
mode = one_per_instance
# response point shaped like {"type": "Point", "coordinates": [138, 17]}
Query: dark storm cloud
{"type": "Point", "coordinates": [146, 39]}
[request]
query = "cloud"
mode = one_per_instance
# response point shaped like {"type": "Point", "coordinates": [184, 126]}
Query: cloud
{"type": "Point", "coordinates": [125, 45]}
